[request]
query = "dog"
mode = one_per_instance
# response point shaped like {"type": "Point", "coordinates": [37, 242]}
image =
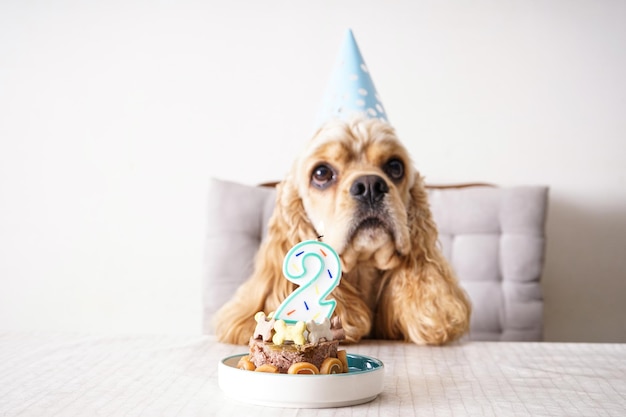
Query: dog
{"type": "Point", "coordinates": [355, 186]}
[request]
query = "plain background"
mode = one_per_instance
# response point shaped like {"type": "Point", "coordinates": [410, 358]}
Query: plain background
{"type": "Point", "coordinates": [114, 115]}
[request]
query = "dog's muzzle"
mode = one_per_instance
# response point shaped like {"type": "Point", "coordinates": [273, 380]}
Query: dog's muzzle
{"type": "Point", "coordinates": [369, 192]}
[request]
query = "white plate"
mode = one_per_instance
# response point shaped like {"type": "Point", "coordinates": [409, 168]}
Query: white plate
{"type": "Point", "coordinates": [361, 384]}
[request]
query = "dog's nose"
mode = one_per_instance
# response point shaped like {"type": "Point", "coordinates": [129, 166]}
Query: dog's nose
{"type": "Point", "coordinates": [369, 189]}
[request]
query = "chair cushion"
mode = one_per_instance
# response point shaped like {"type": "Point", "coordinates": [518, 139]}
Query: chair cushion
{"type": "Point", "coordinates": [494, 239]}
{"type": "Point", "coordinates": [237, 221]}
{"type": "Point", "coordinates": [492, 236]}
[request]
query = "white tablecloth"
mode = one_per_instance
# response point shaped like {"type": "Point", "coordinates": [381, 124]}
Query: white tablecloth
{"type": "Point", "coordinates": [77, 375]}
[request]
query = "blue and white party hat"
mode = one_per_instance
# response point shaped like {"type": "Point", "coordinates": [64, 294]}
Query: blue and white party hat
{"type": "Point", "coordinates": [351, 91]}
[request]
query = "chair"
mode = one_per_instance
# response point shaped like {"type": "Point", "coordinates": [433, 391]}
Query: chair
{"type": "Point", "coordinates": [494, 238]}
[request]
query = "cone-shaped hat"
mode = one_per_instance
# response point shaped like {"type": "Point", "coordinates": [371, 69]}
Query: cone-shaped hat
{"type": "Point", "coordinates": [351, 91]}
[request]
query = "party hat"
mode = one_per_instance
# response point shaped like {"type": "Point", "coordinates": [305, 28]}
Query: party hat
{"type": "Point", "coordinates": [351, 91]}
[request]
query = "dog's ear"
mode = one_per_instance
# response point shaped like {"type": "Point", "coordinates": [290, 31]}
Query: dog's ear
{"type": "Point", "coordinates": [289, 224]}
{"type": "Point", "coordinates": [422, 300]}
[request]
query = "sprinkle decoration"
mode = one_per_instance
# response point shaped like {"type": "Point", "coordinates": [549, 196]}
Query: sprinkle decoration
{"type": "Point", "coordinates": [315, 267]}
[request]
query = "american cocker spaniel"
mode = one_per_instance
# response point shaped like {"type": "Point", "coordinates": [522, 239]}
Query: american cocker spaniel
{"type": "Point", "coordinates": [356, 186]}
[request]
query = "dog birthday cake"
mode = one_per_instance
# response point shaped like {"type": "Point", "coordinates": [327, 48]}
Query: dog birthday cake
{"type": "Point", "coordinates": [302, 336]}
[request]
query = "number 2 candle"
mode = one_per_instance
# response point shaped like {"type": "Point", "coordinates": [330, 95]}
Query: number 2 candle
{"type": "Point", "coordinates": [315, 267]}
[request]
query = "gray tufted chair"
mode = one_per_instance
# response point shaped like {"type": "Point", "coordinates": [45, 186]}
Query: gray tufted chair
{"type": "Point", "coordinates": [494, 238]}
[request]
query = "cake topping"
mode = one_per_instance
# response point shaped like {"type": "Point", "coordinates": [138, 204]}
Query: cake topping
{"type": "Point", "coordinates": [293, 333]}
{"type": "Point", "coordinates": [303, 368]}
{"type": "Point", "coordinates": [271, 369]}
{"type": "Point", "coordinates": [342, 355]}
{"type": "Point", "coordinates": [264, 327]}
{"type": "Point", "coordinates": [245, 364]}
{"type": "Point", "coordinates": [331, 366]}
{"type": "Point", "coordinates": [319, 331]}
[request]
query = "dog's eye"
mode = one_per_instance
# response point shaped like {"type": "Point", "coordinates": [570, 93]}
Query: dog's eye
{"type": "Point", "coordinates": [394, 168]}
{"type": "Point", "coordinates": [322, 176]}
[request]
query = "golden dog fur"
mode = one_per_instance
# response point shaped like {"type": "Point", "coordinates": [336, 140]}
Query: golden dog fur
{"type": "Point", "coordinates": [396, 284]}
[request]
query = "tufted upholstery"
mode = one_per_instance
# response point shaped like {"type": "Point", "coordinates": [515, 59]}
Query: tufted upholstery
{"type": "Point", "coordinates": [492, 236]}
{"type": "Point", "coordinates": [494, 239]}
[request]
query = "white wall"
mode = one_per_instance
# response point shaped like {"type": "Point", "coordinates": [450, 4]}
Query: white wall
{"type": "Point", "coordinates": [114, 115]}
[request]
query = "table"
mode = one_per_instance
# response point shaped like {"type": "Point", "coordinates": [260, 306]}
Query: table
{"type": "Point", "coordinates": [156, 375]}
